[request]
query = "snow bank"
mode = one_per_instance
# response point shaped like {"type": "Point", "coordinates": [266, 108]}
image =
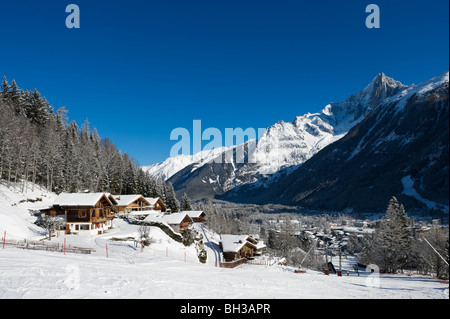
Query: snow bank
{"type": "Point", "coordinates": [16, 209]}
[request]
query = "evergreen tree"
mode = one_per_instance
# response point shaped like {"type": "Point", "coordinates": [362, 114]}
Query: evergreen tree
{"type": "Point", "coordinates": [185, 203]}
{"type": "Point", "coordinates": [171, 199]}
{"type": "Point", "coordinates": [5, 88]}
{"type": "Point", "coordinates": [37, 110]}
{"type": "Point", "coordinates": [393, 242]}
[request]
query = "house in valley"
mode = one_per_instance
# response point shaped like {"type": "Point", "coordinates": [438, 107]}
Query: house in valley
{"type": "Point", "coordinates": [198, 216]}
{"type": "Point", "coordinates": [177, 221]}
{"type": "Point", "coordinates": [235, 247]}
{"type": "Point", "coordinates": [156, 204]}
{"type": "Point", "coordinates": [131, 203]}
{"type": "Point", "coordinates": [85, 213]}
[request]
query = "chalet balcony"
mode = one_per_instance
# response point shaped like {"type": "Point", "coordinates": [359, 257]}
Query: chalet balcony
{"type": "Point", "coordinates": [76, 219]}
{"type": "Point", "coordinates": [98, 219]}
{"type": "Point", "coordinates": [110, 215]}
{"type": "Point", "coordinates": [87, 219]}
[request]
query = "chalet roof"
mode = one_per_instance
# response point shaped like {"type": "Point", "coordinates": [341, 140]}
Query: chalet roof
{"type": "Point", "coordinates": [152, 200]}
{"type": "Point", "coordinates": [111, 198]}
{"type": "Point", "coordinates": [175, 218]}
{"type": "Point", "coordinates": [79, 199]}
{"type": "Point", "coordinates": [171, 219]}
{"type": "Point", "coordinates": [125, 200]}
{"type": "Point", "coordinates": [194, 213]}
{"type": "Point", "coordinates": [152, 215]}
{"type": "Point", "coordinates": [233, 243]}
{"type": "Point", "coordinates": [260, 245]}
{"type": "Point", "coordinates": [144, 213]}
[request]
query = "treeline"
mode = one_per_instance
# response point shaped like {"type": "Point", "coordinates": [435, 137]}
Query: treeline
{"type": "Point", "coordinates": [38, 146]}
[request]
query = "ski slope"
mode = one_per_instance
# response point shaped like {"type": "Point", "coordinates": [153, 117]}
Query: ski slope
{"type": "Point", "coordinates": [167, 269]}
{"type": "Point", "coordinates": [40, 274]}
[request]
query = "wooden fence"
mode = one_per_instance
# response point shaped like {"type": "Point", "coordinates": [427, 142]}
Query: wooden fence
{"type": "Point", "coordinates": [41, 245]}
{"type": "Point", "coordinates": [261, 262]}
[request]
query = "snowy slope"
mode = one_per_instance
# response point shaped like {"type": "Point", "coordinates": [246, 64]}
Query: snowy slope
{"type": "Point", "coordinates": [46, 275]}
{"type": "Point", "coordinates": [167, 269]}
{"type": "Point", "coordinates": [16, 208]}
{"type": "Point", "coordinates": [419, 90]}
{"type": "Point", "coordinates": [408, 189]}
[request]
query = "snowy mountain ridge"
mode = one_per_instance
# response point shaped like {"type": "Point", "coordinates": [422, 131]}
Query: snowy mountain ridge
{"type": "Point", "coordinates": [172, 165]}
{"type": "Point", "coordinates": [284, 145]}
{"type": "Point", "coordinates": [293, 143]}
{"type": "Point", "coordinates": [399, 149]}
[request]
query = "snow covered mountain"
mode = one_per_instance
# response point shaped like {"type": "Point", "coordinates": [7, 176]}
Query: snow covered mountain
{"type": "Point", "coordinates": [401, 148]}
{"type": "Point", "coordinates": [283, 146]}
{"type": "Point", "coordinates": [288, 144]}
{"type": "Point", "coordinates": [172, 165]}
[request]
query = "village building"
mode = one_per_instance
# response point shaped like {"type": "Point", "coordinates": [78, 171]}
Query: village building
{"type": "Point", "coordinates": [235, 247]}
{"type": "Point", "coordinates": [131, 203]}
{"type": "Point", "coordinates": [156, 204]}
{"type": "Point", "coordinates": [197, 216]}
{"type": "Point", "coordinates": [177, 221]}
{"type": "Point", "coordinates": [85, 213]}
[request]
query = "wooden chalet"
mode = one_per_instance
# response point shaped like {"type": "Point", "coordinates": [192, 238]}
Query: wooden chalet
{"type": "Point", "coordinates": [156, 204]}
{"type": "Point", "coordinates": [131, 203]}
{"type": "Point", "coordinates": [90, 213]}
{"type": "Point", "coordinates": [197, 216]}
{"type": "Point", "coordinates": [235, 247]}
{"type": "Point", "coordinates": [177, 221]}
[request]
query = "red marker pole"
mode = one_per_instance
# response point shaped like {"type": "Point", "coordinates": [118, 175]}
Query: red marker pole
{"type": "Point", "coordinates": [106, 250]}
{"type": "Point", "coordinates": [64, 246]}
{"type": "Point", "coordinates": [4, 239]}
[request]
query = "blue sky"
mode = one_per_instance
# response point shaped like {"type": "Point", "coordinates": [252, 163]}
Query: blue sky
{"type": "Point", "coordinates": [138, 69]}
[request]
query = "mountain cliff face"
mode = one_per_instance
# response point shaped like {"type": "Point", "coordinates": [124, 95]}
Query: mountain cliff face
{"type": "Point", "coordinates": [283, 146]}
{"type": "Point", "coordinates": [400, 148]}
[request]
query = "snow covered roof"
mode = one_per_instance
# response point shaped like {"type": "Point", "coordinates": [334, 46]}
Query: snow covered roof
{"type": "Point", "coordinates": [143, 212]}
{"type": "Point", "coordinates": [233, 243]}
{"type": "Point", "coordinates": [176, 218]}
{"type": "Point", "coordinates": [194, 213]}
{"type": "Point", "coordinates": [260, 245]}
{"type": "Point", "coordinates": [152, 200]}
{"type": "Point", "coordinates": [79, 199]}
{"type": "Point", "coordinates": [152, 216]}
{"type": "Point", "coordinates": [171, 219]}
{"type": "Point", "coordinates": [125, 200]}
